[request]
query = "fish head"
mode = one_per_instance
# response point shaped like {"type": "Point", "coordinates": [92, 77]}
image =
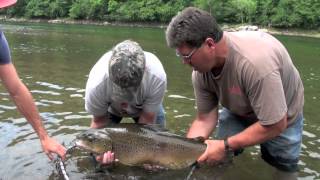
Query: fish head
{"type": "Point", "coordinates": [94, 140]}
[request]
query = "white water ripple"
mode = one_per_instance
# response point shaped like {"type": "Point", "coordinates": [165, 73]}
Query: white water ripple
{"type": "Point", "coordinates": [53, 86]}
{"type": "Point", "coordinates": [308, 134]}
{"type": "Point", "coordinates": [180, 97]}
{"type": "Point", "coordinates": [45, 92]}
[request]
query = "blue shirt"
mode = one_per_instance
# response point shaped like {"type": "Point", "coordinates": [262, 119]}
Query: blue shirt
{"type": "Point", "coordinates": [5, 57]}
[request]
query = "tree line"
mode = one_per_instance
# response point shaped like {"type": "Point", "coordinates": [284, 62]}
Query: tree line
{"type": "Point", "coordinates": [272, 13]}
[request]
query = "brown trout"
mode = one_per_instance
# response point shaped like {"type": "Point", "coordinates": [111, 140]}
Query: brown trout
{"type": "Point", "coordinates": [137, 144]}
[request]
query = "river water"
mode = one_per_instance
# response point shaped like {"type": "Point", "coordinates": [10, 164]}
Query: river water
{"type": "Point", "coordinates": [54, 62]}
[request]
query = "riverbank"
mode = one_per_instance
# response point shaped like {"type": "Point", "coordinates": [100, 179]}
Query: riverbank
{"type": "Point", "coordinates": [289, 32]}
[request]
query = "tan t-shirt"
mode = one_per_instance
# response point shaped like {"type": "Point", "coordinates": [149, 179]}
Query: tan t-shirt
{"type": "Point", "coordinates": [258, 80]}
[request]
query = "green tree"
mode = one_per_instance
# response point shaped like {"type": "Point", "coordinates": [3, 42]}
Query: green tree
{"type": "Point", "coordinates": [59, 8]}
{"type": "Point", "coordinates": [38, 9]}
{"type": "Point", "coordinates": [285, 14]}
{"type": "Point", "coordinates": [264, 11]}
{"type": "Point", "coordinates": [277, 13]}
{"type": "Point", "coordinates": [309, 13]}
{"type": "Point", "coordinates": [205, 4]}
{"type": "Point", "coordinates": [245, 10]}
{"type": "Point", "coordinates": [89, 9]}
{"type": "Point", "coordinates": [144, 10]}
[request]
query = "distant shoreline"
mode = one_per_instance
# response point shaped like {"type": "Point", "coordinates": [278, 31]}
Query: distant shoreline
{"type": "Point", "coordinates": [290, 32]}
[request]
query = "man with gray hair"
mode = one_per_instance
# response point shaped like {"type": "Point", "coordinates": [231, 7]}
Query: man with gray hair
{"type": "Point", "coordinates": [251, 75]}
{"type": "Point", "coordinates": [126, 82]}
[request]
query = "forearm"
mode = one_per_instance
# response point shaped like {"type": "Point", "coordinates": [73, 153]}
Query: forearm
{"type": "Point", "coordinates": [99, 122]}
{"type": "Point", "coordinates": [203, 125]}
{"type": "Point", "coordinates": [147, 118]}
{"type": "Point", "coordinates": [22, 98]}
{"type": "Point", "coordinates": [26, 106]}
{"type": "Point", "coordinates": [256, 134]}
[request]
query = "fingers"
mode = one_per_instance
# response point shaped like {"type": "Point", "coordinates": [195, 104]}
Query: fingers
{"type": "Point", "coordinates": [51, 147]}
{"type": "Point", "coordinates": [204, 156]}
{"type": "Point", "coordinates": [107, 158]}
{"type": "Point", "coordinates": [61, 151]}
{"type": "Point", "coordinates": [50, 156]}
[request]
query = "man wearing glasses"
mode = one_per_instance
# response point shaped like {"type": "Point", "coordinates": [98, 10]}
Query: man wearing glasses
{"type": "Point", "coordinates": [252, 77]}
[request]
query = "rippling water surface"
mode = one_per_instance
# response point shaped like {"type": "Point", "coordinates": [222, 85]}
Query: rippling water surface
{"type": "Point", "coordinates": [54, 62]}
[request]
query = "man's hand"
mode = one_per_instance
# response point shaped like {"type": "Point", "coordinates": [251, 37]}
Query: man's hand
{"type": "Point", "coordinates": [50, 146]}
{"type": "Point", "coordinates": [214, 153]}
{"type": "Point", "coordinates": [107, 158]}
{"type": "Point", "coordinates": [147, 118]}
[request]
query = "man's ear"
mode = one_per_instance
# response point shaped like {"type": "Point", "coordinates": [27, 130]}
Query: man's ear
{"type": "Point", "coordinates": [210, 42]}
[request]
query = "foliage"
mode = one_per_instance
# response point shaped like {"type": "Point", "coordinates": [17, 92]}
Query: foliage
{"type": "Point", "coordinates": [89, 9]}
{"type": "Point", "coordinates": [246, 10]}
{"type": "Point", "coordinates": [145, 10]}
{"type": "Point", "coordinates": [37, 8]}
{"type": "Point", "coordinates": [276, 13]}
{"type": "Point", "coordinates": [59, 8]}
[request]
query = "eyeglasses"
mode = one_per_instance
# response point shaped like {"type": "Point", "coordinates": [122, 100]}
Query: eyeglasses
{"type": "Point", "coordinates": [186, 57]}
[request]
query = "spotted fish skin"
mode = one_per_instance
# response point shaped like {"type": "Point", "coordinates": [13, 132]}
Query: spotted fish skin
{"type": "Point", "coordinates": [137, 144]}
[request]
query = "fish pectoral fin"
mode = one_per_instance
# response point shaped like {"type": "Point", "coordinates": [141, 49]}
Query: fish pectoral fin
{"type": "Point", "coordinates": [154, 167]}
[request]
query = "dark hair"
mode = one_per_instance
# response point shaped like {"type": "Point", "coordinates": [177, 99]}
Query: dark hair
{"type": "Point", "coordinates": [192, 26]}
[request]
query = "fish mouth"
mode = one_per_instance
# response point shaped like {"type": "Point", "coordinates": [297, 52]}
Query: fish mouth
{"type": "Point", "coordinates": [79, 144]}
{"type": "Point", "coordinates": [83, 146]}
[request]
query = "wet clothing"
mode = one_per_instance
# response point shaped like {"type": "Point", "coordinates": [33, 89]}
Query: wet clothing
{"type": "Point", "coordinates": [258, 80]}
{"type": "Point", "coordinates": [103, 96]}
{"type": "Point", "coordinates": [282, 152]}
{"type": "Point", "coordinates": [5, 57]}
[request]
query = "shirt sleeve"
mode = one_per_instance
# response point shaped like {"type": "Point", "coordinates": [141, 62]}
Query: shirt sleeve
{"type": "Point", "coordinates": [5, 57]}
{"type": "Point", "coordinates": [268, 99]}
{"type": "Point", "coordinates": [206, 97]}
{"type": "Point", "coordinates": [155, 96]}
{"type": "Point", "coordinates": [96, 100]}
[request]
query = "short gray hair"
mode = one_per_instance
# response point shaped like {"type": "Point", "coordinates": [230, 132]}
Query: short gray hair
{"type": "Point", "coordinates": [192, 26]}
{"type": "Point", "coordinates": [127, 64]}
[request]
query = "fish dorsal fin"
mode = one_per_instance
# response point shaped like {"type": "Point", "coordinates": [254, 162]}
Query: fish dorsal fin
{"type": "Point", "coordinates": [155, 127]}
{"type": "Point", "coordinates": [160, 130]}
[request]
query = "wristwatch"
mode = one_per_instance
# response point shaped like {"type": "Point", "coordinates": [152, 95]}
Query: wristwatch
{"type": "Point", "coordinates": [227, 147]}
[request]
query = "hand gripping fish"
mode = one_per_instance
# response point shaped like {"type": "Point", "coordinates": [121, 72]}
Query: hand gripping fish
{"type": "Point", "coordinates": [137, 144]}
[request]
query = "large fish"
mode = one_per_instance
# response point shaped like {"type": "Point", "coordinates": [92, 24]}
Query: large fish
{"type": "Point", "coordinates": [136, 144]}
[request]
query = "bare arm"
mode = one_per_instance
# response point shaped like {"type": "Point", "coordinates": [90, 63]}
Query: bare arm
{"type": "Point", "coordinates": [204, 124]}
{"type": "Point", "coordinates": [254, 134]}
{"type": "Point", "coordinates": [147, 118]}
{"type": "Point", "coordinates": [257, 134]}
{"type": "Point", "coordinates": [25, 104]}
{"type": "Point", "coordinates": [99, 122]}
